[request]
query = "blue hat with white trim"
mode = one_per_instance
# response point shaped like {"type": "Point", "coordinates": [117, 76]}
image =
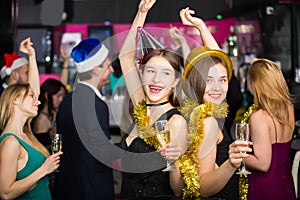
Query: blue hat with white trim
{"type": "Point", "coordinates": [88, 54]}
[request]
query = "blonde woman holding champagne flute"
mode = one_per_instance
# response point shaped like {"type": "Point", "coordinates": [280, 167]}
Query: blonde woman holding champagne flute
{"type": "Point", "coordinates": [271, 121]}
{"type": "Point", "coordinates": [24, 162]}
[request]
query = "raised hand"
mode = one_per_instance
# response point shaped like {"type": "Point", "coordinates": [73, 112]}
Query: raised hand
{"type": "Point", "coordinates": [176, 34]}
{"type": "Point", "coordinates": [63, 53]}
{"type": "Point", "coordinates": [26, 47]}
{"type": "Point", "coordinates": [188, 19]}
{"type": "Point", "coordinates": [146, 5]}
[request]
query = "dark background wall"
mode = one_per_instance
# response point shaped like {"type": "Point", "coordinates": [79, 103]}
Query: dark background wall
{"type": "Point", "coordinates": [122, 11]}
{"type": "Point", "coordinates": [276, 28]}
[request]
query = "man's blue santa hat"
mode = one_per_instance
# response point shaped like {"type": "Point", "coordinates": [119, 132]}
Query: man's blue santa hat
{"type": "Point", "coordinates": [88, 54]}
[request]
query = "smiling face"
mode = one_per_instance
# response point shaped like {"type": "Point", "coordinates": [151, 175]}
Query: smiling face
{"type": "Point", "coordinates": [216, 84]}
{"type": "Point", "coordinates": [158, 79]}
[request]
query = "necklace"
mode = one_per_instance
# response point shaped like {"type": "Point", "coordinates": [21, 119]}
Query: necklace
{"type": "Point", "coordinates": [145, 129]}
{"type": "Point", "coordinates": [159, 104]}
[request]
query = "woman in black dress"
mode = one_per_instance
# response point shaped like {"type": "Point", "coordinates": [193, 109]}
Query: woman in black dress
{"type": "Point", "coordinates": [152, 91]}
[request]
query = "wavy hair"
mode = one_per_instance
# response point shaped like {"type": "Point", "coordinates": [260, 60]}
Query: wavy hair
{"type": "Point", "coordinates": [49, 88]}
{"type": "Point", "coordinates": [7, 99]}
{"type": "Point", "coordinates": [270, 89]}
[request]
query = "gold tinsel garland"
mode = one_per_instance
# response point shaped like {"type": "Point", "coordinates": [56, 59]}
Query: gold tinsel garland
{"type": "Point", "coordinates": [189, 162]}
{"type": "Point", "coordinates": [243, 179]}
{"type": "Point", "coordinates": [145, 130]}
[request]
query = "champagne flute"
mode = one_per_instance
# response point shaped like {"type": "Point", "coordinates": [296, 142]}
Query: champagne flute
{"type": "Point", "coordinates": [56, 145]}
{"type": "Point", "coordinates": [163, 136]}
{"type": "Point", "coordinates": [242, 133]}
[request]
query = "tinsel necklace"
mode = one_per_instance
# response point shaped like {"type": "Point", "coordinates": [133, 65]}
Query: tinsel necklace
{"type": "Point", "coordinates": [145, 130]}
{"type": "Point", "coordinates": [243, 179]}
{"type": "Point", "coordinates": [188, 162]}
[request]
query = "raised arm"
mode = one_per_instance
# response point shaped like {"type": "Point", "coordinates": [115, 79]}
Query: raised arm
{"type": "Point", "coordinates": [33, 72]}
{"type": "Point", "coordinates": [64, 75]}
{"type": "Point", "coordinates": [128, 52]}
{"type": "Point", "coordinates": [206, 36]}
{"type": "Point", "coordinates": [179, 39]}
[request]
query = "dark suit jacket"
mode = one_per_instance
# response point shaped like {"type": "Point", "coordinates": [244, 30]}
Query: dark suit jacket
{"type": "Point", "coordinates": [1, 89]}
{"type": "Point", "coordinates": [83, 119]}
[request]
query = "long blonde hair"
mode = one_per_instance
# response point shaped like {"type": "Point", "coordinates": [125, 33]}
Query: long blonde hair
{"type": "Point", "coordinates": [270, 89]}
{"type": "Point", "coordinates": [7, 98]}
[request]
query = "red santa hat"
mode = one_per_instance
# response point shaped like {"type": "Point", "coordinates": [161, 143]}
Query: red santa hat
{"type": "Point", "coordinates": [12, 62]}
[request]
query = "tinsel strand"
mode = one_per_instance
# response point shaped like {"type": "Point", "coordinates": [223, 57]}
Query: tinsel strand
{"type": "Point", "coordinates": [189, 162]}
{"type": "Point", "coordinates": [243, 179]}
{"type": "Point", "coordinates": [145, 130]}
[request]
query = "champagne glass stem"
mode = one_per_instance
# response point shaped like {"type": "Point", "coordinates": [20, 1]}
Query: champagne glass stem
{"type": "Point", "coordinates": [243, 171]}
{"type": "Point", "coordinates": [243, 165]}
{"type": "Point", "coordinates": [169, 167]}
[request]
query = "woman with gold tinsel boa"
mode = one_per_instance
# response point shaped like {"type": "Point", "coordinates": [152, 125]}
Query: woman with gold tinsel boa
{"type": "Point", "coordinates": [206, 167]}
{"type": "Point", "coordinates": [271, 121]}
{"type": "Point", "coordinates": [152, 87]}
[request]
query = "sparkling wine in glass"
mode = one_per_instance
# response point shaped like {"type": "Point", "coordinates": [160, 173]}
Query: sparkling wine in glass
{"type": "Point", "coordinates": [163, 136]}
{"type": "Point", "coordinates": [56, 144]}
{"type": "Point", "coordinates": [242, 133]}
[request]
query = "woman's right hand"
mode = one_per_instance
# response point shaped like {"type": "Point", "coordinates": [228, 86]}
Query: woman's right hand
{"type": "Point", "coordinates": [146, 5]}
{"type": "Point", "coordinates": [26, 47]}
{"type": "Point", "coordinates": [238, 150]}
{"type": "Point", "coordinates": [63, 53]}
{"type": "Point", "coordinates": [52, 163]}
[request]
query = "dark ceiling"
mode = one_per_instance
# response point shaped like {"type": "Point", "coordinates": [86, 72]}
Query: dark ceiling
{"type": "Point", "coordinates": [123, 11]}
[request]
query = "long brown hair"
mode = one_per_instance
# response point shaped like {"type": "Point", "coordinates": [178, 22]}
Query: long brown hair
{"type": "Point", "coordinates": [196, 81]}
{"type": "Point", "coordinates": [270, 89]}
{"type": "Point", "coordinates": [174, 59]}
{"type": "Point", "coordinates": [7, 98]}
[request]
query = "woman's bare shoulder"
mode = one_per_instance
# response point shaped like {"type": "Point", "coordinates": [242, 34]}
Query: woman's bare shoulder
{"type": "Point", "coordinates": [10, 143]}
{"type": "Point", "coordinates": [177, 118]}
{"type": "Point", "coordinates": [260, 116]}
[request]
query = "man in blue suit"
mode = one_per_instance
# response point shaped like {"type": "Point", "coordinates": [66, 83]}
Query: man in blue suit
{"type": "Point", "coordinates": [83, 120]}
